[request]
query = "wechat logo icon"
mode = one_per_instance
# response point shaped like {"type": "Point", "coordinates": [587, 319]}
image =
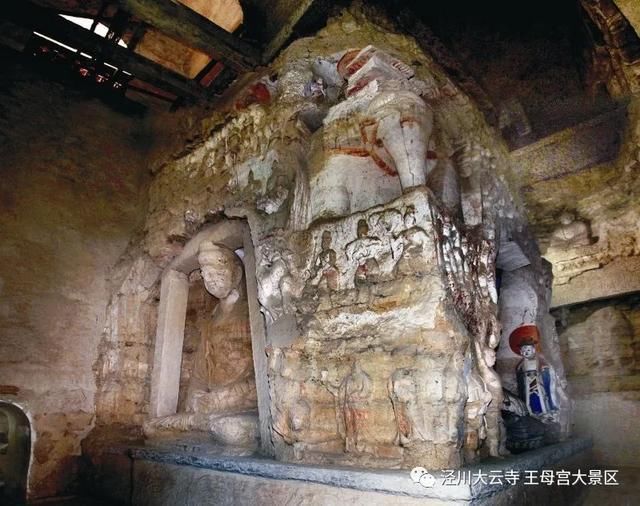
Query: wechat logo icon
{"type": "Point", "coordinates": [423, 477]}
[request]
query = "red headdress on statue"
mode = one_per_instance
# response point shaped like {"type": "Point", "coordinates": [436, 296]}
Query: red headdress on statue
{"type": "Point", "coordinates": [525, 334]}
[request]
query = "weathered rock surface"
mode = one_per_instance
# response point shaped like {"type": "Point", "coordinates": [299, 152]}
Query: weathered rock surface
{"type": "Point", "coordinates": [600, 344]}
{"type": "Point", "coordinates": [378, 291]}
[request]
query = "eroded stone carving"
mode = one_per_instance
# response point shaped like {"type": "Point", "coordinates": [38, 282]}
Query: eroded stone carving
{"type": "Point", "coordinates": [513, 120]}
{"type": "Point", "coordinates": [571, 232]}
{"type": "Point", "coordinates": [472, 158]}
{"type": "Point", "coordinates": [385, 242]}
{"type": "Point", "coordinates": [272, 201]}
{"type": "Point", "coordinates": [384, 288]}
{"type": "Point", "coordinates": [278, 280]}
{"type": "Point", "coordinates": [363, 251]}
{"type": "Point", "coordinates": [325, 274]}
{"type": "Point", "coordinates": [402, 387]}
{"type": "Point", "coordinates": [351, 398]}
{"type": "Point", "coordinates": [397, 135]}
{"type": "Point", "coordinates": [414, 242]}
{"type": "Point", "coordinates": [293, 423]}
{"type": "Point", "coordinates": [357, 393]}
{"type": "Point", "coordinates": [469, 265]}
{"type": "Point", "coordinates": [475, 409]}
{"type": "Point", "coordinates": [379, 140]}
{"type": "Point", "coordinates": [221, 396]}
{"type": "Point", "coordinates": [397, 122]}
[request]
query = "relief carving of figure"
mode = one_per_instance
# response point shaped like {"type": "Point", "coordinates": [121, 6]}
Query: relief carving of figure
{"type": "Point", "coordinates": [325, 274]}
{"type": "Point", "coordinates": [277, 284]}
{"type": "Point", "coordinates": [471, 157]}
{"type": "Point", "coordinates": [334, 387]}
{"type": "Point", "coordinates": [414, 240]}
{"type": "Point", "coordinates": [496, 435]}
{"type": "Point", "coordinates": [475, 409]}
{"type": "Point", "coordinates": [389, 220]}
{"type": "Point", "coordinates": [389, 223]}
{"type": "Point", "coordinates": [364, 251]}
{"type": "Point", "coordinates": [402, 388]}
{"type": "Point", "coordinates": [292, 424]}
{"type": "Point", "coordinates": [472, 296]}
{"type": "Point", "coordinates": [352, 397]}
{"type": "Point", "coordinates": [571, 232]}
{"type": "Point", "coordinates": [357, 393]}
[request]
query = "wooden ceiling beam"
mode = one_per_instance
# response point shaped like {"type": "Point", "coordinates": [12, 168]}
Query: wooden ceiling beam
{"type": "Point", "coordinates": [286, 30]}
{"type": "Point", "coordinates": [187, 26]}
{"type": "Point", "coordinates": [50, 24]}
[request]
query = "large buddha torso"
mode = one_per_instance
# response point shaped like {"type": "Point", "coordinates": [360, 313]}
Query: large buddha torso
{"type": "Point", "coordinates": [223, 378]}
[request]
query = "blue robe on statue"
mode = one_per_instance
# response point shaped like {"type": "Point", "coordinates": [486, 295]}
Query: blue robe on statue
{"type": "Point", "coordinates": [541, 388]}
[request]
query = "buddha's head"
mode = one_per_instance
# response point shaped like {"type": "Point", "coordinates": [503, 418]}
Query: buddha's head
{"type": "Point", "coordinates": [567, 218]}
{"type": "Point", "coordinates": [220, 267]}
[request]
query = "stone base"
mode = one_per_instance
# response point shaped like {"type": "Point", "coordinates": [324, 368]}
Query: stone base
{"type": "Point", "coordinates": [151, 476]}
{"type": "Point", "coordinates": [197, 445]}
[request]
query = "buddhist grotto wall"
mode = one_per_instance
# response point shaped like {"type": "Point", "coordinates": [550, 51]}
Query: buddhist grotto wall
{"type": "Point", "coordinates": [72, 184]}
{"type": "Point", "coordinates": [378, 203]}
{"type": "Point", "coordinates": [601, 349]}
{"type": "Point", "coordinates": [587, 223]}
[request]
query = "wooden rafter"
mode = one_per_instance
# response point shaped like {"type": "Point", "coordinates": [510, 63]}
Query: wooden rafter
{"type": "Point", "coordinates": [47, 22]}
{"type": "Point", "coordinates": [286, 30]}
{"type": "Point", "coordinates": [231, 55]}
{"type": "Point", "coordinates": [194, 30]}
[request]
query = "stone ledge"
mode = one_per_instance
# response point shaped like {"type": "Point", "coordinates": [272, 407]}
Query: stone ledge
{"type": "Point", "coordinates": [394, 482]}
{"type": "Point", "coordinates": [616, 278]}
{"type": "Point", "coordinates": [573, 149]}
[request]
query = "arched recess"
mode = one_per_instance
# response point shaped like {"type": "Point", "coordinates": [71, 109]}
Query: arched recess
{"type": "Point", "coordinates": [165, 381]}
{"type": "Point", "coordinates": [15, 453]}
{"type": "Point", "coordinates": [517, 305]}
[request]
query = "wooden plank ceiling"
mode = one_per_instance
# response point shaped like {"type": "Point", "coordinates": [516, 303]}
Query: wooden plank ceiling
{"type": "Point", "coordinates": [176, 50]}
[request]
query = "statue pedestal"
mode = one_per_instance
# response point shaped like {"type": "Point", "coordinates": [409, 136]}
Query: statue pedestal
{"type": "Point", "coordinates": [230, 429]}
{"type": "Point", "coordinates": [198, 474]}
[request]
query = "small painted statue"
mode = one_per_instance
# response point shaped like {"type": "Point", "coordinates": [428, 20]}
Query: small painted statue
{"type": "Point", "coordinates": [536, 379]}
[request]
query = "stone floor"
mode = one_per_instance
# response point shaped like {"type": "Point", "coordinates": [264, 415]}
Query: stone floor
{"type": "Point", "coordinates": [625, 494]}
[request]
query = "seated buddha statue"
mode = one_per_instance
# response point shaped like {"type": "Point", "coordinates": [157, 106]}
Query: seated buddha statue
{"type": "Point", "coordinates": [221, 397]}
